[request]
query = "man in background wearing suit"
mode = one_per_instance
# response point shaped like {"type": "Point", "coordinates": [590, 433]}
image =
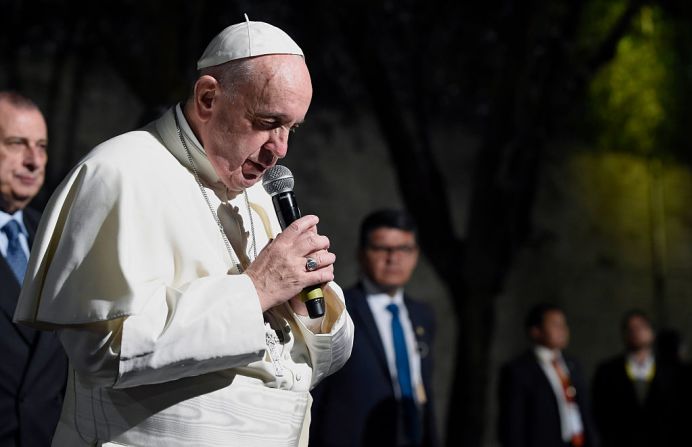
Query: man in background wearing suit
{"type": "Point", "coordinates": [639, 398]}
{"type": "Point", "coordinates": [543, 397]}
{"type": "Point", "coordinates": [383, 395]}
{"type": "Point", "coordinates": [33, 367]}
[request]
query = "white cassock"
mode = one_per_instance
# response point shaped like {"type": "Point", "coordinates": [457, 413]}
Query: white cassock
{"type": "Point", "coordinates": [167, 342]}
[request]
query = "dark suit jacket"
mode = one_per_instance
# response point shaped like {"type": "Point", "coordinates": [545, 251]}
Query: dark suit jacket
{"type": "Point", "coordinates": [356, 406]}
{"type": "Point", "coordinates": [529, 415]}
{"type": "Point", "coordinates": [623, 420]}
{"type": "Point", "coordinates": [33, 369]}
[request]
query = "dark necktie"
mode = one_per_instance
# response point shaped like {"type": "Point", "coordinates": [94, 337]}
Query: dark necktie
{"type": "Point", "coordinates": [15, 254]}
{"type": "Point", "coordinates": [403, 373]}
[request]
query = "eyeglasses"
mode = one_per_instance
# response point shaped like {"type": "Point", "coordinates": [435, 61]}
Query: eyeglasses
{"type": "Point", "coordinates": [383, 249]}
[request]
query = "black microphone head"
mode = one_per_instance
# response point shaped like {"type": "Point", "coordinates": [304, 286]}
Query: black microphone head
{"type": "Point", "coordinates": [277, 179]}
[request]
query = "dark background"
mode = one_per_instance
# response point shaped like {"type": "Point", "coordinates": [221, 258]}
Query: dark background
{"type": "Point", "coordinates": [541, 145]}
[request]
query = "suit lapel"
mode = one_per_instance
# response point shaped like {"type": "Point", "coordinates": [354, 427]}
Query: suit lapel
{"type": "Point", "coordinates": [368, 327]}
{"type": "Point", "coordinates": [421, 329]}
{"type": "Point", "coordinates": [11, 288]}
{"type": "Point", "coordinates": [543, 378]}
{"type": "Point", "coordinates": [30, 218]}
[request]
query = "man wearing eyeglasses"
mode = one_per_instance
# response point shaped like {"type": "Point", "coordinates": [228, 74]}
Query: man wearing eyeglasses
{"type": "Point", "coordinates": [384, 390]}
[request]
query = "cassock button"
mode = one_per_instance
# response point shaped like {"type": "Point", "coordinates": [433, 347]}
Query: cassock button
{"type": "Point", "coordinates": [420, 331]}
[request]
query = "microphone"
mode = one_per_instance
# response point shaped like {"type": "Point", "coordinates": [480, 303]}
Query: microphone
{"type": "Point", "coordinates": [278, 182]}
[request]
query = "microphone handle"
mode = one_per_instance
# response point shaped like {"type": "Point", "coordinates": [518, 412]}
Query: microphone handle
{"type": "Point", "coordinates": [287, 211]}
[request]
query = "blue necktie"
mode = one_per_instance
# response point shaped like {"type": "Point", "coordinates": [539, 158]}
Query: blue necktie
{"type": "Point", "coordinates": [403, 373]}
{"type": "Point", "coordinates": [15, 254]}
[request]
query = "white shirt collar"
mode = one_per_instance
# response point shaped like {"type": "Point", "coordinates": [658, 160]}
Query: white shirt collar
{"type": "Point", "coordinates": [375, 295]}
{"type": "Point", "coordinates": [18, 216]}
{"type": "Point", "coordinates": [640, 370]}
{"type": "Point", "coordinates": [166, 128]}
{"type": "Point", "coordinates": [546, 355]}
{"type": "Point", "coordinates": [187, 130]}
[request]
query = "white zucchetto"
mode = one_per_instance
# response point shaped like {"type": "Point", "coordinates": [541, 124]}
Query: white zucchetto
{"type": "Point", "coordinates": [247, 39]}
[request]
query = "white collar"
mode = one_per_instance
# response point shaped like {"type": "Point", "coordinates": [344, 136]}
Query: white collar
{"type": "Point", "coordinates": [167, 130]}
{"type": "Point", "coordinates": [640, 370]}
{"type": "Point", "coordinates": [375, 295]}
{"type": "Point", "coordinates": [17, 216]}
{"type": "Point", "coordinates": [187, 130]}
{"type": "Point", "coordinates": [547, 355]}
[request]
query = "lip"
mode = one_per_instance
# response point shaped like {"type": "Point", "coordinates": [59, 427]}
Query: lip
{"type": "Point", "coordinates": [28, 180]}
{"type": "Point", "coordinates": [253, 170]}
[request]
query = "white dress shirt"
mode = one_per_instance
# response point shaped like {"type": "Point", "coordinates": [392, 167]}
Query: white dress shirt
{"type": "Point", "coordinates": [643, 370]}
{"type": "Point", "coordinates": [378, 302]}
{"type": "Point", "coordinates": [570, 418]}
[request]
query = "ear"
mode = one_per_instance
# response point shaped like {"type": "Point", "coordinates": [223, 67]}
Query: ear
{"type": "Point", "coordinates": [207, 89]}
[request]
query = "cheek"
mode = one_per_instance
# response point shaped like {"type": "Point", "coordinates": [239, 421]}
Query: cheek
{"type": "Point", "coordinates": [7, 165]}
{"type": "Point", "coordinates": [406, 266]}
{"type": "Point", "coordinates": [6, 160]}
{"type": "Point", "coordinates": [43, 161]}
{"type": "Point", "coordinates": [375, 267]}
{"type": "Point", "coordinates": [562, 335]}
{"type": "Point", "coordinates": [246, 147]}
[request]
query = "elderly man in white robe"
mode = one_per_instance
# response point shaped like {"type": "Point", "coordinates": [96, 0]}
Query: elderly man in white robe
{"type": "Point", "coordinates": [163, 269]}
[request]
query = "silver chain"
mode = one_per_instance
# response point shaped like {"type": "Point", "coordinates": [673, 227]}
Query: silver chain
{"type": "Point", "coordinates": [234, 260]}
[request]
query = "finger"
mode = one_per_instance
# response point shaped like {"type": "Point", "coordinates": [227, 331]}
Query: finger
{"type": "Point", "coordinates": [310, 243]}
{"type": "Point", "coordinates": [320, 276]}
{"type": "Point", "coordinates": [323, 258]}
{"type": "Point", "coordinates": [301, 225]}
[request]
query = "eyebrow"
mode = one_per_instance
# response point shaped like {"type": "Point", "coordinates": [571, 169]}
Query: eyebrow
{"type": "Point", "coordinates": [23, 139]}
{"type": "Point", "coordinates": [279, 116]}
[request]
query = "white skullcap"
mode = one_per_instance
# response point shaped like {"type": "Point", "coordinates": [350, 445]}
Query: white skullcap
{"type": "Point", "coordinates": [247, 39]}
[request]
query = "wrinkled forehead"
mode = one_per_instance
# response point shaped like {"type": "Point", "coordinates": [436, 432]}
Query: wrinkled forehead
{"type": "Point", "coordinates": [277, 81]}
{"type": "Point", "coordinates": [385, 232]}
{"type": "Point", "coordinates": [20, 118]}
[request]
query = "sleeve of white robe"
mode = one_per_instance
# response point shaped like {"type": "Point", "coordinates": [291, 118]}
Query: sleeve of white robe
{"type": "Point", "coordinates": [131, 272]}
{"type": "Point", "coordinates": [200, 336]}
{"type": "Point", "coordinates": [130, 275]}
{"type": "Point", "coordinates": [330, 339]}
{"type": "Point", "coordinates": [177, 334]}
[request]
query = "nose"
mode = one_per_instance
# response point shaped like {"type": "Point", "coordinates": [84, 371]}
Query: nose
{"type": "Point", "coordinates": [34, 155]}
{"type": "Point", "coordinates": [278, 141]}
{"type": "Point", "coordinates": [392, 255]}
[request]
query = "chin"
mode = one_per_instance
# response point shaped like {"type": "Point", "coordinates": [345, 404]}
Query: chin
{"type": "Point", "coordinates": [24, 196]}
{"type": "Point", "coordinates": [390, 285]}
{"type": "Point", "coordinates": [240, 184]}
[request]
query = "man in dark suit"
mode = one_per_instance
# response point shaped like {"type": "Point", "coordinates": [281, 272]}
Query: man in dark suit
{"type": "Point", "coordinates": [383, 395]}
{"type": "Point", "coordinates": [638, 397]}
{"type": "Point", "coordinates": [543, 397]}
{"type": "Point", "coordinates": [33, 367]}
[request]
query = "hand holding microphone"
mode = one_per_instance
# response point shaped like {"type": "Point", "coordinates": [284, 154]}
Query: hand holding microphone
{"type": "Point", "coordinates": [298, 258]}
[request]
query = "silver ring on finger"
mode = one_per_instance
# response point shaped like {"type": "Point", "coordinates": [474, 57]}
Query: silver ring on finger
{"type": "Point", "coordinates": [311, 264]}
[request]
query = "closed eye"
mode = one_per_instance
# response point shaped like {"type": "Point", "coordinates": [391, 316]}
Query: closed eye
{"type": "Point", "coordinates": [267, 124]}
